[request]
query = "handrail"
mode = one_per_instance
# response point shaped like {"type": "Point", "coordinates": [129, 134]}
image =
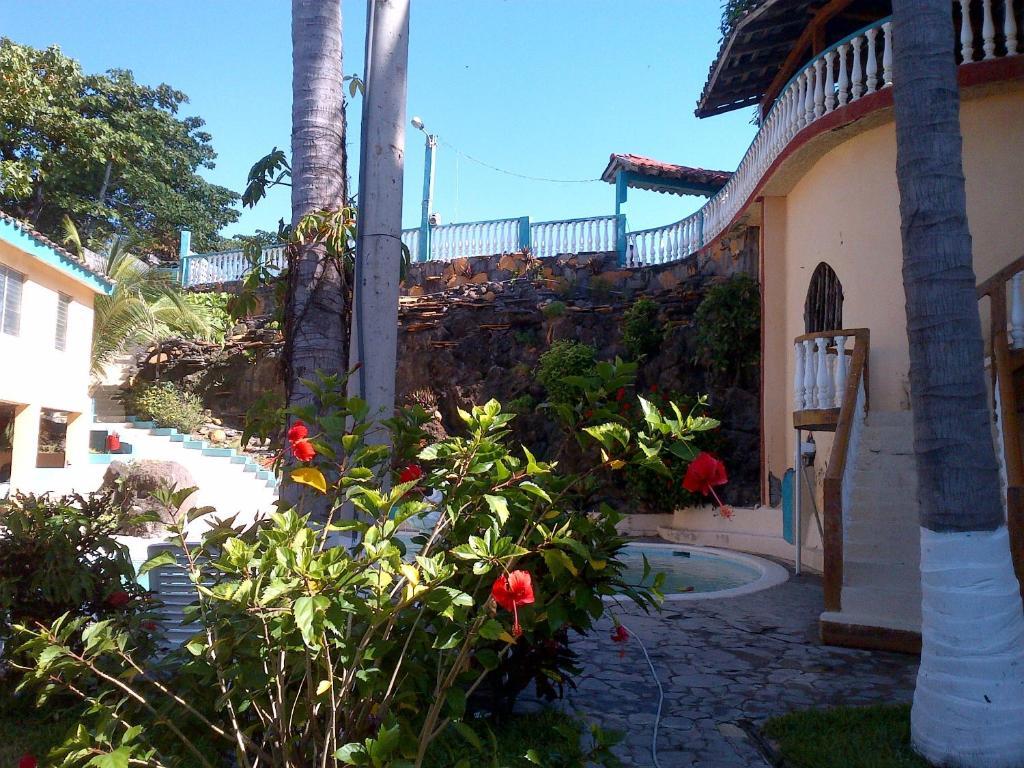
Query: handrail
{"type": "Point", "coordinates": [836, 471]}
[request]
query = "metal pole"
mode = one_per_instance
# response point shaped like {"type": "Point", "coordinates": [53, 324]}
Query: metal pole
{"type": "Point", "coordinates": [428, 198]}
{"type": "Point", "coordinates": [798, 490]}
{"type": "Point", "coordinates": [374, 339]}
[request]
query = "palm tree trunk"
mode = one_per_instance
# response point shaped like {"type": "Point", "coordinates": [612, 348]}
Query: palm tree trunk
{"type": "Point", "coordinates": [315, 315]}
{"type": "Point", "coordinates": [969, 701]}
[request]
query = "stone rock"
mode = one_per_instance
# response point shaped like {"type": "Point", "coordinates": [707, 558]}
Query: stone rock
{"type": "Point", "coordinates": [218, 436]}
{"type": "Point", "coordinates": [141, 478]}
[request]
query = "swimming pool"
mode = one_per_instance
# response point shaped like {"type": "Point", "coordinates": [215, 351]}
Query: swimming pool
{"type": "Point", "coordinates": [695, 573]}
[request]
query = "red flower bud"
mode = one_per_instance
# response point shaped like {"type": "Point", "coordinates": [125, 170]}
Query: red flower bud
{"type": "Point", "coordinates": [28, 761]}
{"type": "Point", "coordinates": [621, 393]}
{"type": "Point", "coordinates": [118, 599]}
{"type": "Point", "coordinates": [620, 634]}
{"type": "Point", "coordinates": [410, 474]}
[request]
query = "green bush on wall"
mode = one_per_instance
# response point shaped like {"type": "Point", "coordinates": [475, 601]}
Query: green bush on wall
{"type": "Point", "coordinates": [167, 405]}
{"type": "Point", "coordinates": [564, 358]}
{"type": "Point", "coordinates": [642, 329]}
{"type": "Point", "coordinates": [728, 324]}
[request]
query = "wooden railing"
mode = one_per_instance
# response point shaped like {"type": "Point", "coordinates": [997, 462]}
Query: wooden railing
{"type": "Point", "coordinates": [1005, 293]}
{"type": "Point", "coordinates": [843, 394]}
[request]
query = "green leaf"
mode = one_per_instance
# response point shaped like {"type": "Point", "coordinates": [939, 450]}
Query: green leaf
{"type": "Point", "coordinates": [498, 505]}
{"type": "Point", "coordinates": [605, 433]}
{"type": "Point", "coordinates": [308, 611]}
{"type": "Point", "coordinates": [117, 759]}
{"type": "Point", "coordinates": [160, 559]}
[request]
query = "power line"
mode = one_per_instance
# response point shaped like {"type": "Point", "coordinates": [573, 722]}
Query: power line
{"type": "Point", "coordinates": [513, 173]}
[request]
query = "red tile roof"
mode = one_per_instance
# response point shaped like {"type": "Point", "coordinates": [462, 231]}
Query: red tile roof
{"type": "Point", "coordinates": [656, 169]}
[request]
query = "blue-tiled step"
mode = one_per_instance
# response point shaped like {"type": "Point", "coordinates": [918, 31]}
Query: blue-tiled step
{"type": "Point", "coordinates": [195, 445]}
{"type": "Point", "coordinates": [131, 419]}
{"type": "Point", "coordinates": [100, 458]}
{"type": "Point", "coordinates": [144, 424]}
{"type": "Point", "coordinates": [264, 474]}
{"type": "Point", "coordinates": [178, 438]}
{"type": "Point", "coordinates": [251, 467]}
{"type": "Point", "coordinates": [272, 482]}
{"type": "Point", "coordinates": [239, 458]}
{"type": "Point", "coordinates": [218, 452]}
{"type": "Point", "coordinates": [163, 431]}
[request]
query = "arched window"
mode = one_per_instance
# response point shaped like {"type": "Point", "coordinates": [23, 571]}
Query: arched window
{"type": "Point", "coordinates": [823, 310]}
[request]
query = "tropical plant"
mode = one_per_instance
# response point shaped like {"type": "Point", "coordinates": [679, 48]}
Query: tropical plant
{"type": "Point", "coordinates": [642, 329]}
{"type": "Point", "coordinates": [311, 654]}
{"type": "Point", "coordinates": [967, 707]}
{"type": "Point", "coordinates": [563, 359]}
{"type": "Point", "coordinates": [728, 325]}
{"type": "Point", "coordinates": [166, 404]}
{"type": "Point", "coordinates": [111, 153]}
{"type": "Point", "coordinates": [145, 307]}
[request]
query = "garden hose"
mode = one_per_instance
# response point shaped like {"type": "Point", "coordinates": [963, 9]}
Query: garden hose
{"type": "Point", "coordinates": [661, 697]}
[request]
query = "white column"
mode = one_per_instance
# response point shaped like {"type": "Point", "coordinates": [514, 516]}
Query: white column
{"type": "Point", "coordinates": [808, 96]}
{"type": "Point", "coordinates": [887, 54]}
{"type": "Point", "coordinates": [1009, 28]}
{"type": "Point", "coordinates": [809, 373]}
{"type": "Point", "coordinates": [841, 370]}
{"type": "Point", "coordinates": [966, 31]}
{"type": "Point", "coordinates": [872, 63]}
{"type": "Point", "coordinates": [830, 81]}
{"type": "Point", "coordinates": [824, 383]}
{"type": "Point", "coordinates": [819, 88]}
{"type": "Point", "coordinates": [1016, 312]}
{"type": "Point", "coordinates": [844, 76]}
{"type": "Point", "coordinates": [798, 377]}
{"type": "Point", "coordinates": [988, 31]}
{"type": "Point", "coordinates": [857, 70]}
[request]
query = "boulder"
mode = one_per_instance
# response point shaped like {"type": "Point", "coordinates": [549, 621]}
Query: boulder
{"type": "Point", "coordinates": [141, 478]}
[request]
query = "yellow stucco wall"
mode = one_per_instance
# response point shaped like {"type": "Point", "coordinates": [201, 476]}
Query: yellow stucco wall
{"type": "Point", "coordinates": [844, 210]}
{"type": "Point", "coordinates": [34, 374]}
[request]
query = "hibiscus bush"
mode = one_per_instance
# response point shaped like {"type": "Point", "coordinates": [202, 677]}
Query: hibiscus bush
{"type": "Point", "coordinates": [347, 642]}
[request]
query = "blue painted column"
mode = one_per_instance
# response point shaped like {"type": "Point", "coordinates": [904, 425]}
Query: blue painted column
{"type": "Point", "coordinates": [525, 240]}
{"type": "Point", "coordinates": [423, 253]}
{"type": "Point", "coordinates": [184, 249]}
{"type": "Point", "coordinates": [621, 194]}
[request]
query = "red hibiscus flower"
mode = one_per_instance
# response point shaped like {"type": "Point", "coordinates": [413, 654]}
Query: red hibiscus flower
{"type": "Point", "coordinates": [28, 761]}
{"type": "Point", "coordinates": [118, 599]}
{"type": "Point", "coordinates": [303, 450]}
{"type": "Point", "coordinates": [512, 590]}
{"type": "Point", "coordinates": [620, 394]}
{"type": "Point", "coordinates": [297, 432]}
{"type": "Point", "coordinates": [703, 474]}
{"type": "Point", "coordinates": [653, 388]}
{"type": "Point", "coordinates": [149, 626]}
{"type": "Point", "coordinates": [410, 474]}
{"type": "Point", "coordinates": [620, 634]}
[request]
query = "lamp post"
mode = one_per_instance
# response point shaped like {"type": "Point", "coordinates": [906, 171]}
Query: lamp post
{"type": "Point", "coordinates": [423, 252]}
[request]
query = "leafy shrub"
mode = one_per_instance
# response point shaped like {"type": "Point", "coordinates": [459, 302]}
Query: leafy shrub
{"type": "Point", "coordinates": [59, 556]}
{"type": "Point", "coordinates": [167, 405]}
{"type": "Point", "coordinates": [522, 404]}
{"type": "Point", "coordinates": [312, 654]}
{"type": "Point", "coordinates": [565, 358]}
{"type": "Point", "coordinates": [728, 323]}
{"type": "Point", "coordinates": [642, 329]}
{"type": "Point", "coordinates": [214, 306]}
{"type": "Point", "coordinates": [553, 309]}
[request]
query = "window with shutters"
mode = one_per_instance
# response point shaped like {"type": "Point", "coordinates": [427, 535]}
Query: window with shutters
{"type": "Point", "coordinates": [61, 339]}
{"type": "Point", "coordinates": [11, 283]}
{"type": "Point", "coordinates": [823, 309]}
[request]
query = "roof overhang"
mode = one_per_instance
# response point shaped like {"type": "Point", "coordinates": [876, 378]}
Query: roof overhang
{"type": "Point", "coordinates": [640, 172]}
{"type": "Point", "coordinates": [25, 239]}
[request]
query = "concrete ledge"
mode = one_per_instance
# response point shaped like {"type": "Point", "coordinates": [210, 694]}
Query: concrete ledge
{"type": "Point", "coordinates": [644, 525]}
{"type": "Point", "coordinates": [843, 630]}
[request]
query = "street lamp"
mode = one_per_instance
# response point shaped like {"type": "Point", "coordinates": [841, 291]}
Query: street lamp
{"type": "Point", "coordinates": [423, 252]}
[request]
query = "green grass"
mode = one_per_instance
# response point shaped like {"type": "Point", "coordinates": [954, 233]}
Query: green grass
{"type": "Point", "coordinates": [553, 735]}
{"type": "Point", "coordinates": [846, 737]}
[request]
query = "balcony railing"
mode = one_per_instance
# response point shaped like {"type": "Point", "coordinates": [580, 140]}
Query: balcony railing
{"type": "Point", "coordinates": [226, 266]}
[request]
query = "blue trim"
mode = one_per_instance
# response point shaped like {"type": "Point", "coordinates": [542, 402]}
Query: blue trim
{"type": "Point", "coordinates": [525, 238]}
{"type": "Point", "coordinates": [621, 191]}
{"type": "Point", "coordinates": [423, 252]}
{"type": "Point", "coordinates": [184, 249]}
{"type": "Point", "coordinates": [49, 254]}
{"type": "Point", "coordinates": [636, 180]}
{"type": "Point", "coordinates": [620, 238]}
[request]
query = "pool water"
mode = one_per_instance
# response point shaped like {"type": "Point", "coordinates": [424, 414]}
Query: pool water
{"type": "Point", "coordinates": [687, 570]}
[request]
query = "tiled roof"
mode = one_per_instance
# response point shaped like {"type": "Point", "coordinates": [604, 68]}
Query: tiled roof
{"type": "Point", "coordinates": [45, 242]}
{"type": "Point", "coordinates": [656, 169]}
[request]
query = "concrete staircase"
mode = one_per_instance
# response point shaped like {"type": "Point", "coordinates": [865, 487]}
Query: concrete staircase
{"type": "Point", "coordinates": [881, 550]}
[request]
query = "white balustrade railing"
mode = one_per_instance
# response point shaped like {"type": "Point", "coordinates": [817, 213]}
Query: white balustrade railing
{"type": "Point", "coordinates": [590, 235]}
{"type": "Point", "coordinates": [661, 245]}
{"type": "Point", "coordinates": [228, 266]}
{"type": "Point", "coordinates": [479, 238]}
{"type": "Point", "coordinates": [821, 370]}
{"type": "Point", "coordinates": [411, 240]}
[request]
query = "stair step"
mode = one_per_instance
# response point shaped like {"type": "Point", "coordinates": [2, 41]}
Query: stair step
{"type": "Point", "coordinates": [195, 445]}
{"type": "Point", "coordinates": [144, 424]}
{"type": "Point", "coordinates": [251, 467]}
{"type": "Point", "coordinates": [239, 458]}
{"type": "Point", "coordinates": [163, 431]}
{"type": "Point", "coordinates": [221, 452]}
{"type": "Point", "coordinates": [263, 474]}
{"type": "Point", "coordinates": [178, 438]}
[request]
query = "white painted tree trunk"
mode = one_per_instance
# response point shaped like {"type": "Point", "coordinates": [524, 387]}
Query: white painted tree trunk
{"type": "Point", "coordinates": [969, 701]}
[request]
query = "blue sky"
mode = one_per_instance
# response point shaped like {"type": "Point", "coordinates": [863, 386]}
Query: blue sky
{"type": "Point", "coordinates": [538, 87]}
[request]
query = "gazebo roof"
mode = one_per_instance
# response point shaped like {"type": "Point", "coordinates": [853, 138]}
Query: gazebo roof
{"type": "Point", "coordinates": [646, 173]}
{"type": "Point", "coordinates": [764, 39]}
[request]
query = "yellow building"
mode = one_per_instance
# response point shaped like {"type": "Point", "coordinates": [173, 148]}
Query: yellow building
{"type": "Point", "coordinates": [818, 184]}
{"type": "Point", "coordinates": [46, 319]}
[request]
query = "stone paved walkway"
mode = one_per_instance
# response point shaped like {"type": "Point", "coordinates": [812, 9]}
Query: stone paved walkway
{"type": "Point", "coordinates": [724, 663]}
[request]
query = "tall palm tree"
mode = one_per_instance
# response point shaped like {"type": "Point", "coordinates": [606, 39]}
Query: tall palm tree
{"type": "Point", "coordinates": [145, 307]}
{"type": "Point", "coordinates": [315, 312]}
{"type": "Point", "coordinates": [969, 702]}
